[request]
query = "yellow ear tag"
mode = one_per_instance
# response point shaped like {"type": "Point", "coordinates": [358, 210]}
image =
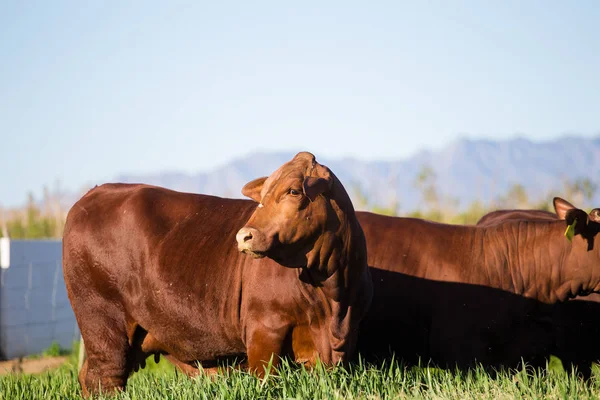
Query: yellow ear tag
{"type": "Point", "coordinates": [570, 232]}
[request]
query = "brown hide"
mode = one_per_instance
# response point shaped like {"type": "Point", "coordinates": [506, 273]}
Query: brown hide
{"type": "Point", "coordinates": [154, 271]}
{"type": "Point", "coordinates": [465, 294]}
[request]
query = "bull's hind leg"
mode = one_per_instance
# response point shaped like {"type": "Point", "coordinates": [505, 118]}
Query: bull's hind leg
{"type": "Point", "coordinates": [105, 338]}
{"type": "Point", "coordinates": [186, 368]}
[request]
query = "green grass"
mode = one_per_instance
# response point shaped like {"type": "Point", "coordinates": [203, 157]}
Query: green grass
{"type": "Point", "coordinates": [391, 380]}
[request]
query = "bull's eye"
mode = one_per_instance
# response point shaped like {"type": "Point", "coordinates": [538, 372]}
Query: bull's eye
{"type": "Point", "coordinates": [294, 192]}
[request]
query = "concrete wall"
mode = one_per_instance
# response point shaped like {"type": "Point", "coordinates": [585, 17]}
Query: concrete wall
{"type": "Point", "coordinates": [34, 307]}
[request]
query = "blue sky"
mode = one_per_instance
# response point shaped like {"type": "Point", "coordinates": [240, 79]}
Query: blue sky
{"type": "Point", "coordinates": [89, 90]}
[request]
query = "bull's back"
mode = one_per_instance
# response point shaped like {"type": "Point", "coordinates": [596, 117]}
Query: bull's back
{"type": "Point", "coordinates": [128, 218]}
{"type": "Point", "coordinates": [114, 220]}
{"type": "Point", "coordinates": [500, 216]}
{"type": "Point", "coordinates": [420, 248]}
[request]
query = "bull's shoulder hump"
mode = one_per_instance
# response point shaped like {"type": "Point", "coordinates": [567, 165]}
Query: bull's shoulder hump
{"type": "Point", "coordinates": [368, 219]}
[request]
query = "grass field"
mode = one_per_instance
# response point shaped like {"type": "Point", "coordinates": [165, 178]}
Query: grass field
{"type": "Point", "coordinates": [389, 380]}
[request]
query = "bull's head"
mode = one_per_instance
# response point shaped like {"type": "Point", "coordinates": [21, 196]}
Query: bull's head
{"type": "Point", "coordinates": [292, 212]}
{"type": "Point", "coordinates": [582, 223]}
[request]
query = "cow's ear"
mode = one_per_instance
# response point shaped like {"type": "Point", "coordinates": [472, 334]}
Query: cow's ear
{"type": "Point", "coordinates": [562, 207]}
{"type": "Point", "coordinates": [253, 188]}
{"type": "Point", "coordinates": [314, 186]}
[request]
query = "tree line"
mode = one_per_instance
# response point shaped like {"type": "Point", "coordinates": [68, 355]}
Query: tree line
{"type": "Point", "coordinates": [43, 219]}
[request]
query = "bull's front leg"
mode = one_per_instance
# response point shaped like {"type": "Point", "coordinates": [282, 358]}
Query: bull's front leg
{"type": "Point", "coordinates": [303, 346]}
{"type": "Point", "coordinates": [327, 349]}
{"type": "Point", "coordinates": [264, 345]}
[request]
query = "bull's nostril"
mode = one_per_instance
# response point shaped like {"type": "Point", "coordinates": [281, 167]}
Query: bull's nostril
{"type": "Point", "coordinates": [245, 236]}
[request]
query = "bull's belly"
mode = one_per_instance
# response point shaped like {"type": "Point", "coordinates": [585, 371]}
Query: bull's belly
{"type": "Point", "coordinates": [201, 339]}
{"type": "Point", "coordinates": [201, 346]}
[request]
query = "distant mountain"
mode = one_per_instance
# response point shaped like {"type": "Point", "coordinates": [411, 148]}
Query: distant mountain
{"type": "Point", "coordinates": [465, 170]}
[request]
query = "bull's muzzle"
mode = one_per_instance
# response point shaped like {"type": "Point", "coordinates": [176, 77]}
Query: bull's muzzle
{"type": "Point", "coordinates": [249, 242]}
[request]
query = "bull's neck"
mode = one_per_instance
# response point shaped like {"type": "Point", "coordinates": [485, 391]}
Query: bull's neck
{"type": "Point", "coordinates": [337, 269]}
{"type": "Point", "coordinates": [544, 265]}
{"type": "Point", "coordinates": [338, 257]}
{"type": "Point", "coordinates": [581, 268]}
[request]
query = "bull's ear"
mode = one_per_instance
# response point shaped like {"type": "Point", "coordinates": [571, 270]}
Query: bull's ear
{"type": "Point", "coordinates": [562, 207]}
{"type": "Point", "coordinates": [314, 186]}
{"type": "Point", "coordinates": [253, 188]}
